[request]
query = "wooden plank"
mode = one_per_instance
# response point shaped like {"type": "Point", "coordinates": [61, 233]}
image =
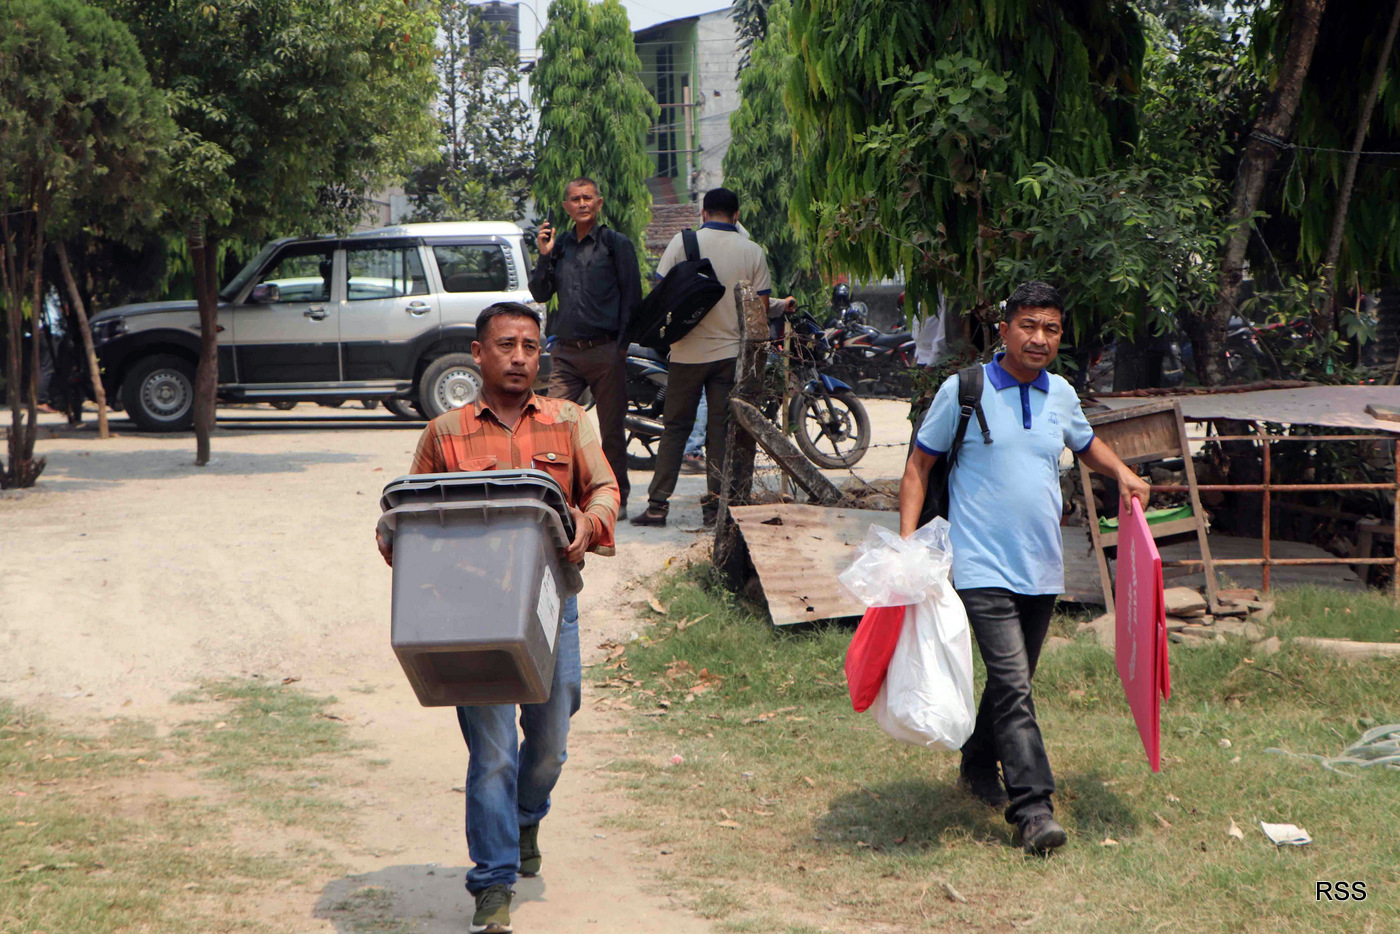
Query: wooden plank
{"type": "Point", "coordinates": [1138, 437]}
{"type": "Point", "coordinates": [1387, 413]}
{"type": "Point", "coordinates": [1349, 650]}
{"type": "Point", "coordinates": [1159, 530]}
{"type": "Point", "coordinates": [785, 454]}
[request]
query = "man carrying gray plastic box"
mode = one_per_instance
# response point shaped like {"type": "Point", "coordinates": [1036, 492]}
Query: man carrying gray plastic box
{"type": "Point", "coordinates": [508, 427]}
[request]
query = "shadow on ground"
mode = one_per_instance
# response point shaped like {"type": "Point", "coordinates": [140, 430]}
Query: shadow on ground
{"type": "Point", "coordinates": [422, 899]}
{"type": "Point", "coordinates": [909, 813]}
{"type": "Point", "coordinates": [74, 470]}
{"type": "Point", "coordinates": [925, 814]}
{"type": "Point", "coordinates": [1094, 810]}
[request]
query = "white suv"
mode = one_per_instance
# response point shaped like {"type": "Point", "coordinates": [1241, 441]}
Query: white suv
{"type": "Point", "coordinates": [386, 314]}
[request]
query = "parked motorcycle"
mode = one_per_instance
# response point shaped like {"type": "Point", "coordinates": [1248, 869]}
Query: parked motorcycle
{"type": "Point", "coordinates": [829, 421]}
{"type": "Point", "coordinates": [646, 402]}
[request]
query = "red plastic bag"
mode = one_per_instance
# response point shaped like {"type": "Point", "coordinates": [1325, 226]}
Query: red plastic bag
{"type": "Point", "coordinates": [868, 658]}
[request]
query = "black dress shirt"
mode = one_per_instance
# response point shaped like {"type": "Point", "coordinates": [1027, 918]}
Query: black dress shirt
{"type": "Point", "coordinates": [598, 283]}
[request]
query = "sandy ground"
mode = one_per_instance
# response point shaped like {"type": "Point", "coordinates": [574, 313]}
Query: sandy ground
{"type": "Point", "coordinates": [129, 575]}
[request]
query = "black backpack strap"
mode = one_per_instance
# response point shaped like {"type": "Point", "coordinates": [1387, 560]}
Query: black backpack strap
{"type": "Point", "coordinates": [692, 244]}
{"type": "Point", "coordinates": [969, 404]}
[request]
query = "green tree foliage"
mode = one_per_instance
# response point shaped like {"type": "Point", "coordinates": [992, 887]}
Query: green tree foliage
{"type": "Point", "coordinates": [760, 164]}
{"type": "Point", "coordinates": [916, 119]}
{"type": "Point", "coordinates": [288, 113]}
{"type": "Point", "coordinates": [751, 24]}
{"type": "Point", "coordinates": [486, 158]}
{"type": "Point", "coordinates": [1129, 248]}
{"type": "Point", "coordinates": [594, 112]}
{"type": "Point", "coordinates": [80, 123]}
{"type": "Point", "coordinates": [1301, 207]}
{"type": "Point", "coordinates": [1133, 246]}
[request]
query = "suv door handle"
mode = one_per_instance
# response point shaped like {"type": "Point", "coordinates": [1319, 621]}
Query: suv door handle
{"type": "Point", "coordinates": [418, 309]}
{"type": "Point", "coordinates": [316, 313]}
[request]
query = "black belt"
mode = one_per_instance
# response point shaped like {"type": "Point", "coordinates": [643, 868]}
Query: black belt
{"type": "Point", "coordinates": [589, 343]}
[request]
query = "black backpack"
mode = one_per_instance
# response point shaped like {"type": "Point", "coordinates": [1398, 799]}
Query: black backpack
{"type": "Point", "coordinates": [969, 404]}
{"type": "Point", "coordinates": [679, 301]}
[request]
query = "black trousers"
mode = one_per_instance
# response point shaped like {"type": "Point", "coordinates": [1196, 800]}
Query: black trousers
{"type": "Point", "coordinates": [603, 370]}
{"type": "Point", "coordinates": [1010, 629]}
{"type": "Point", "coordinates": [684, 384]}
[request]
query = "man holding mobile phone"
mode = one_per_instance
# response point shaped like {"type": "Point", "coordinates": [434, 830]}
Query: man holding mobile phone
{"type": "Point", "coordinates": [593, 270]}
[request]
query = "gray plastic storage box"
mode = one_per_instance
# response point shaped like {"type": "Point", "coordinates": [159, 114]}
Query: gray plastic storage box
{"type": "Point", "coordinates": [479, 583]}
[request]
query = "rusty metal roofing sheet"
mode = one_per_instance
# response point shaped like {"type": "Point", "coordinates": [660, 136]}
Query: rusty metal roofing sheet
{"type": "Point", "coordinates": [799, 555]}
{"type": "Point", "coordinates": [1333, 406]}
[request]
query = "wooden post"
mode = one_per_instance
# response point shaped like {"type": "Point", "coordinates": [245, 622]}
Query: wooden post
{"type": "Point", "coordinates": [793, 462]}
{"type": "Point", "coordinates": [736, 473]}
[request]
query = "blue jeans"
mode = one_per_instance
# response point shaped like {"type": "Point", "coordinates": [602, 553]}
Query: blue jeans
{"type": "Point", "coordinates": [696, 441]}
{"type": "Point", "coordinates": [508, 786]}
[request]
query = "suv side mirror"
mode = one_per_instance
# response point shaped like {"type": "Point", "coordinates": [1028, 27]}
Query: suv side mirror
{"type": "Point", "coordinates": [265, 293]}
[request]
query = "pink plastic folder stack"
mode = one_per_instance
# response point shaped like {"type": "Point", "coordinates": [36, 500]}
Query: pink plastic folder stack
{"type": "Point", "coordinates": [1141, 618]}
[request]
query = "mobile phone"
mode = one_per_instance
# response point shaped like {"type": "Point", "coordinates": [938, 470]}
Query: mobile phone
{"type": "Point", "coordinates": [549, 217]}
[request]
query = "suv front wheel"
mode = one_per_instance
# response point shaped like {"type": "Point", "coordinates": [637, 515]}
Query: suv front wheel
{"type": "Point", "coordinates": [158, 393]}
{"type": "Point", "coordinates": [448, 383]}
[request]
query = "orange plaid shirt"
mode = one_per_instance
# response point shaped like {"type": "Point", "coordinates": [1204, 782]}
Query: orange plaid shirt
{"type": "Point", "coordinates": [552, 435]}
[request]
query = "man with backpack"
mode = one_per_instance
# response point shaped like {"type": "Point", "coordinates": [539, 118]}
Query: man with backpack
{"type": "Point", "coordinates": [593, 269]}
{"type": "Point", "coordinates": [1004, 505]}
{"type": "Point", "coordinates": [702, 362]}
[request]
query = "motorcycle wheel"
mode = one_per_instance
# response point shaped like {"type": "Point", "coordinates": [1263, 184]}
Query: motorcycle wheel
{"type": "Point", "coordinates": [834, 439]}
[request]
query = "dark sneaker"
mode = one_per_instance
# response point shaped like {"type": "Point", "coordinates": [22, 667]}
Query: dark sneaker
{"type": "Point", "coordinates": [652, 516]}
{"type": "Point", "coordinates": [530, 858]}
{"type": "Point", "coordinates": [1040, 834]}
{"type": "Point", "coordinates": [693, 463]}
{"type": "Point", "coordinates": [492, 911]}
{"type": "Point", "coordinates": [985, 787]}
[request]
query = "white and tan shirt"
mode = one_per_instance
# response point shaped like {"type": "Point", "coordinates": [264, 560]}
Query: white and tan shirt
{"type": "Point", "coordinates": [734, 257]}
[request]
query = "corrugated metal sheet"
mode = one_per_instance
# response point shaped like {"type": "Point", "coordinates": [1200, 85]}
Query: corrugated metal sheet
{"type": "Point", "coordinates": [1333, 406]}
{"type": "Point", "coordinates": [798, 560]}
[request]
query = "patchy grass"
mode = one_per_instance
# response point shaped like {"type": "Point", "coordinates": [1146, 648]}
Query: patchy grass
{"type": "Point", "coordinates": [789, 812]}
{"type": "Point", "coordinates": [116, 833]}
{"type": "Point", "coordinates": [1366, 616]}
{"type": "Point", "coordinates": [268, 747]}
{"type": "Point", "coordinates": [71, 859]}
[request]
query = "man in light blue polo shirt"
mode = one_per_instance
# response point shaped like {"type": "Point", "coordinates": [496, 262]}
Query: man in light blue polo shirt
{"type": "Point", "coordinates": [1008, 564]}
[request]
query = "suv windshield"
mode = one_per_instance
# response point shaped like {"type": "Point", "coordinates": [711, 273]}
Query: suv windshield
{"type": "Point", "coordinates": [229, 292]}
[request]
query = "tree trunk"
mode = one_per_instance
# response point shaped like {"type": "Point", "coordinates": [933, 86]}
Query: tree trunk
{"type": "Point", "coordinates": [206, 380]}
{"type": "Point", "coordinates": [98, 392]}
{"type": "Point", "coordinates": [1269, 135]}
{"type": "Point", "coordinates": [736, 473]}
{"type": "Point", "coordinates": [1321, 322]}
{"type": "Point", "coordinates": [33, 468]}
{"type": "Point", "coordinates": [11, 268]}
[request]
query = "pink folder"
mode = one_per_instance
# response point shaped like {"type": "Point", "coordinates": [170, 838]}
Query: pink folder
{"type": "Point", "coordinates": [1141, 618]}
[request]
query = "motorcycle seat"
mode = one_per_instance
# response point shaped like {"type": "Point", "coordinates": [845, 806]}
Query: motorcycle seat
{"type": "Point", "coordinates": [646, 353]}
{"type": "Point", "coordinates": [892, 339]}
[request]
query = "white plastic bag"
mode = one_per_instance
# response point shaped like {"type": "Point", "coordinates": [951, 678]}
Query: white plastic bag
{"type": "Point", "coordinates": [927, 698]}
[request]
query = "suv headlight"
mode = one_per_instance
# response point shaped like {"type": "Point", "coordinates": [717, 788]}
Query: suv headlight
{"type": "Point", "coordinates": [107, 329]}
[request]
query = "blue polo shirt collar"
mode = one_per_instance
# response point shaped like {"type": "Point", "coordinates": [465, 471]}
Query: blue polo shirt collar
{"type": "Point", "coordinates": [718, 225]}
{"type": "Point", "coordinates": [1004, 380]}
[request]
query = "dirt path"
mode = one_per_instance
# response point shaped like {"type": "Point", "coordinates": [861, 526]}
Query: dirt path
{"type": "Point", "coordinates": [129, 576]}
